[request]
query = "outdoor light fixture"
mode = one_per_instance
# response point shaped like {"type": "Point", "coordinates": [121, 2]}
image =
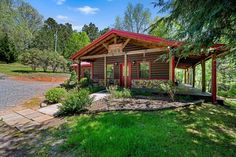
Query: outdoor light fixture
{"type": "Point", "coordinates": [133, 62]}
{"type": "Point", "coordinates": [116, 63]}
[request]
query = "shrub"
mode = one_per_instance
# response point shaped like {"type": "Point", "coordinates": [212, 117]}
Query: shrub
{"type": "Point", "coordinates": [84, 82]}
{"type": "Point", "coordinates": [119, 92]}
{"type": "Point", "coordinates": [75, 102]}
{"type": "Point", "coordinates": [55, 95]}
{"type": "Point", "coordinates": [72, 82]}
{"type": "Point", "coordinates": [232, 91]}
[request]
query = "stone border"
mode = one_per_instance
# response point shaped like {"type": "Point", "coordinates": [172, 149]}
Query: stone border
{"type": "Point", "coordinates": [171, 105]}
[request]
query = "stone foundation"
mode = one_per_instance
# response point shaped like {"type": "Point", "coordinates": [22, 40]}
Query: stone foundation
{"type": "Point", "coordinates": [152, 84]}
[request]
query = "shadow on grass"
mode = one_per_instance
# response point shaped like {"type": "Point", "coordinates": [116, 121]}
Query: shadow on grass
{"type": "Point", "coordinates": [204, 131]}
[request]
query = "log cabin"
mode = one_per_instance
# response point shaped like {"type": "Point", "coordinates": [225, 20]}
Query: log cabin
{"type": "Point", "coordinates": [132, 60]}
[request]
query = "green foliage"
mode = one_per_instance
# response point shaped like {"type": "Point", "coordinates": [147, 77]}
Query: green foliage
{"type": "Point", "coordinates": [53, 37]}
{"type": "Point", "coordinates": [31, 58]}
{"type": "Point", "coordinates": [75, 102]}
{"type": "Point", "coordinates": [94, 89]}
{"type": "Point", "coordinates": [8, 51]}
{"type": "Point", "coordinates": [160, 29]}
{"type": "Point", "coordinates": [117, 92]}
{"type": "Point", "coordinates": [72, 82]}
{"type": "Point", "coordinates": [232, 91]}
{"type": "Point", "coordinates": [203, 22]}
{"type": "Point", "coordinates": [76, 42]}
{"type": "Point", "coordinates": [45, 59]}
{"type": "Point", "coordinates": [55, 95]}
{"type": "Point", "coordinates": [84, 82]}
{"type": "Point", "coordinates": [20, 21]}
{"type": "Point", "coordinates": [91, 30]}
{"type": "Point", "coordinates": [136, 19]}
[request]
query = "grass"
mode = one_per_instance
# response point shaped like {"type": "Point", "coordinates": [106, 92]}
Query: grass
{"type": "Point", "coordinates": [205, 131]}
{"type": "Point", "coordinates": [17, 69]}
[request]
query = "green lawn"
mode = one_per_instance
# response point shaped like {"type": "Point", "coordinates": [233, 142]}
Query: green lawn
{"type": "Point", "coordinates": [17, 69]}
{"type": "Point", "coordinates": [201, 131]}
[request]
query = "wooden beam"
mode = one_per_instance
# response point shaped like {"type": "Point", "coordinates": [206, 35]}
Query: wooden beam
{"type": "Point", "coordinates": [213, 79]}
{"type": "Point", "coordinates": [125, 64]}
{"type": "Point", "coordinates": [115, 40]}
{"type": "Point", "coordinates": [126, 42]}
{"type": "Point", "coordinates": [105, 45]}
{"type": "Point", "coordinates": [203, 65]}
{"type": "Point", "coordinates": [105, 71]}
{"type": "Point", "coordinates": [128, 53]}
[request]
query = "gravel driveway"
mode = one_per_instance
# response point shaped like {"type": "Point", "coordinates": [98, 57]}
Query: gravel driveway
{"type": "Point", "coordinates": [13, 92]}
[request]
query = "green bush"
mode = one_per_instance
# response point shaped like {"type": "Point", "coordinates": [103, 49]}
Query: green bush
{"type": "Point", "coordinates": [232, 90]}
{"type": "Point", "coordinates": [84, 82]}
{"type": "Point", "coordinates": [72, 82]}
{"type": "Point", "coordinates": [117, 92]}
{"type": "Point", "coordinates": [55, 95]}
{"type": "Point", "coordinates": [75, 102]}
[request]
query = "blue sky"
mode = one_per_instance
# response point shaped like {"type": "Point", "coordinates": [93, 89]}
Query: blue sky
{"type": "Point", "coordinates": [80, 12]}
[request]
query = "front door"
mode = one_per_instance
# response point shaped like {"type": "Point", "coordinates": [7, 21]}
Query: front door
{"type": "Point", "coordinates": [122, 75]}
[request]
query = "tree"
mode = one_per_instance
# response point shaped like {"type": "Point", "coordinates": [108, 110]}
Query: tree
{"type": "Point", "coordinates": [161, 29]}
{"type": "Point", "coordinates": [136, 19]}
{"type": "Point", "coordinates": [103, 31]}
{"type": "Point", "coordinates": [204, 22]}
{"type": "Point", "coordinates": [76, 42]}
{"type": "Point", "coordinates": [20, 21]}
{"type": "Point", "coordinates": [91, 30]}
{"type": "Point", "coordinates": [53, 36]}
{"type": "Point", "coordinates": [32, 58]}
{"type": "Point", "coordinates": [8, 51]}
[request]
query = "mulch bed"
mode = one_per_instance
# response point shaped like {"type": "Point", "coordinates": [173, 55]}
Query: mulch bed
{"type": "Point", "coordinates": [140, 103]}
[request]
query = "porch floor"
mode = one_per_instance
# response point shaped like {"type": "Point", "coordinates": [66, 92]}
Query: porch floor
{"type": "Point", "coordinates": [187, 89]}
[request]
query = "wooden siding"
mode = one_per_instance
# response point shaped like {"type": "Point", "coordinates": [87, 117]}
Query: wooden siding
{"type": "Point", "coordinates": [158, 69]}
{"type": "Point", "coordinates": [98, 68]}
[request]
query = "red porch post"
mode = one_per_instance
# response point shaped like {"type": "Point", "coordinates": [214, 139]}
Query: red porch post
{"type": "Point", "coordinates": [173, 68]}
{"type": "Point", "coordinates": [79, 70]}
{"type": "Point", "coordinates": [213, 78]}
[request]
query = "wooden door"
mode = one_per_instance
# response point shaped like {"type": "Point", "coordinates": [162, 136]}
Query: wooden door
{"type": "Point", "coordinates": [122, 75]}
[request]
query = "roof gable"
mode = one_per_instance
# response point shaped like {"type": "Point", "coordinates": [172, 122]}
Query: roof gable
{"type": "Point", "coordinates": [130, 35]}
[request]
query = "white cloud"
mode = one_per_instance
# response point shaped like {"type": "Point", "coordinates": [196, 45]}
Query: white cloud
{"type": "Point", "coordinates": [60, 2]}
{"type": "Point", "coordinates": [88, 10]}
{"type": "Point", "coordinates": [61, 17]}
{"type": "Point", "coordinates": [77, 27]}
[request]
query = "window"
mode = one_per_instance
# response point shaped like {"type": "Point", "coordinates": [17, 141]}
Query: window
{"type": "Point", "coordinates": [144, 68]}
{"type": "Point", "coordinates": [110, 71]}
